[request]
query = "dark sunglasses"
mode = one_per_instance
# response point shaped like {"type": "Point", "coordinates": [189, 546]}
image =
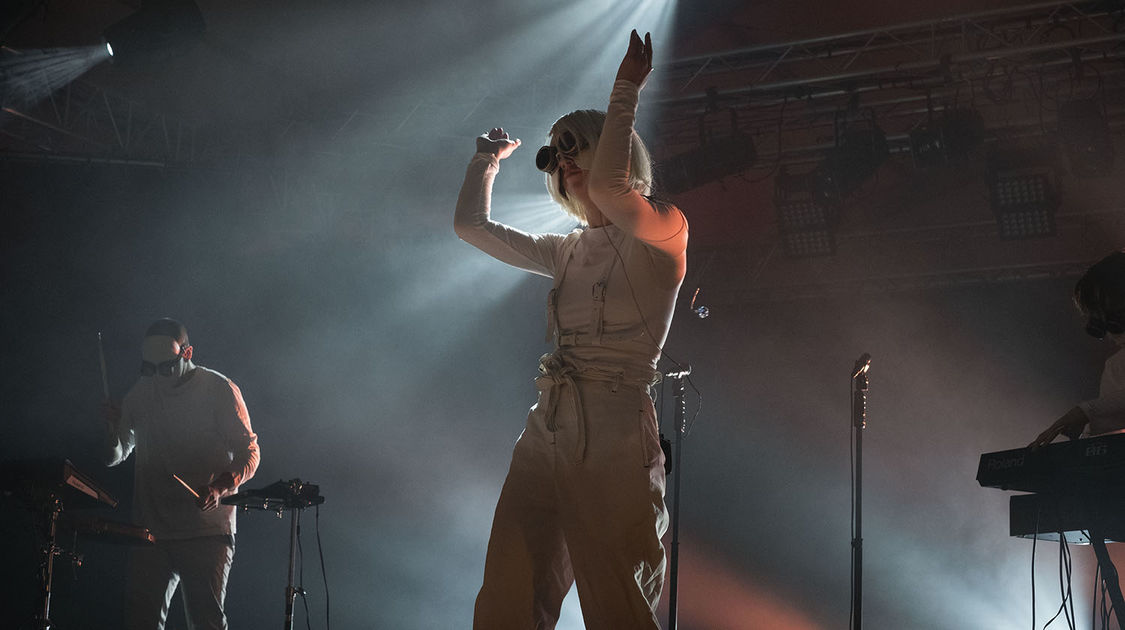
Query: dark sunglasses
{"type": "Point", "coordinates": [566, 145]}
{"type": "Point", "coordinates": [164, 368]}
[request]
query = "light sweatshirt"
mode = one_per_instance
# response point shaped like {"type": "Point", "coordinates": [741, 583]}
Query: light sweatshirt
{"type": "Point", "coordinates": [196, 431]}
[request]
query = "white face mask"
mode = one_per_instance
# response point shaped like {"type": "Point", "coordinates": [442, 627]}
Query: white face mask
{"type": "Point", "coordinates": [162, 355]}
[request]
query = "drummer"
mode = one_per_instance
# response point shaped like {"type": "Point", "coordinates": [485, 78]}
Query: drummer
{"type": "Point", "coordinates": [191, 432]}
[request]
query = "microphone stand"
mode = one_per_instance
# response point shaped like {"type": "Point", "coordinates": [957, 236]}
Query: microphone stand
{"type": "Point", "coordinates": [680, 412]}
{"type": "Point", "coordinates": [859, 423]}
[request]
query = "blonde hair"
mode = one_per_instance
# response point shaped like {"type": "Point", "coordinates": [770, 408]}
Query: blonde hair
{"type": "Point", "coordinates": [586, 125]}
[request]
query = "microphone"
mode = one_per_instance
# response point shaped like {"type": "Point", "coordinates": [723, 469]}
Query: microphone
{"type": "Point", "coordinates": [862, 364]}
{"type": "Point", "coordinates": [680, 372]}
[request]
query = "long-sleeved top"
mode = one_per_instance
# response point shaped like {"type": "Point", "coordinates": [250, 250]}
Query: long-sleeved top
{"type": "Point", "coordinates": [195, 431]}
{"type": "Point", "coordinates": [1107, 412]}
{"type": "Point", "coordinates": [615, 286]}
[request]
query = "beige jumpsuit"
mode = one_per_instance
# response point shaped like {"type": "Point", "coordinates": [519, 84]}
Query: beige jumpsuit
{"type": "Point", "coordinates": [583, 501]}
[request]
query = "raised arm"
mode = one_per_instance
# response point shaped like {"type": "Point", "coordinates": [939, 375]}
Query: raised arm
{"type": "Point", "coordinates": [119, 436]}
{"type": "Point", "coordinates": [664, 229]}
{"type": "Point", "coordinates": [472, 221]}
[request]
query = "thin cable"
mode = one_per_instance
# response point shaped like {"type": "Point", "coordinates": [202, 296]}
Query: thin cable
{"type": "Point", "coordinates": [1062, 581]}
{"type": "Point", "coordinates": [648, 331]}
{"type": "Point", "coordinates": [1094, 606]}
{"type": "Point", "coordinates": [323, 573]}
{"type": "Point", "coordinates": [1070, 587]}
{"type": "Point", "coordinates": [660, 415]}
{"type": "Point", "coordinates": [301, 577]}
{"type": "Point", "coordinates": [1071, 618]}
{"type": "Point", "coordinates": [1064, 585]}
{"type": "Point", "coordinates": [1034, 543]}
{"type": "Point", "coordinates": [636, 303]}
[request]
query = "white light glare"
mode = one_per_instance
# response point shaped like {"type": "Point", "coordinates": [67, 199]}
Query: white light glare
{"type": "Point", "coordinates": [109, 48]}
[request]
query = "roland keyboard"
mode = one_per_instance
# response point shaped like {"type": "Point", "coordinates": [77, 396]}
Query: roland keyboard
{"type": "Point", "coordinates": [1063, 467]}
{"type": "Point", "coordinates": [1078, 495]}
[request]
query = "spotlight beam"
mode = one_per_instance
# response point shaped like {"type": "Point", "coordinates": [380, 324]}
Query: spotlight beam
{"type": "Point", "coordinates": [27, 77]}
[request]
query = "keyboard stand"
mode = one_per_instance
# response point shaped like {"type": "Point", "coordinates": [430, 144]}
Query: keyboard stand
{"type": "Point", "coordinates": [1109, 576]}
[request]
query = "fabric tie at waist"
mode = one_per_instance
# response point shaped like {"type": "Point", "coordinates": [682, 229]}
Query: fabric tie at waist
{"type": "Point", "coordinates": [557, 370]}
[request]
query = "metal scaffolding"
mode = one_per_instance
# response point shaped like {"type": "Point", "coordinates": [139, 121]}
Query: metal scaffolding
{"type": "Point", "coordinates": [1011, 65]}
{"type": "Point", "coordinates": [81, 121]}
{"type": "Point", "coordinates": [1012, 68]}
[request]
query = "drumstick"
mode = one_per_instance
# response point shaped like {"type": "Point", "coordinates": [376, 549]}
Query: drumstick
{"type": "Point", "coordinates": [186, 487]}
{"type": "Point", "coordinates": [101, 356]}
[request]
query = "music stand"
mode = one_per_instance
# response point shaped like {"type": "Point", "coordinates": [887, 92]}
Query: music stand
{"type": "Point", "coordinates": [293, 495]}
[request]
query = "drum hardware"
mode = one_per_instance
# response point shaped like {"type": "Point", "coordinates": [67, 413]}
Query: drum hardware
{"type": "Point", "coordinates": [293, 495]}
{"type": "Point", "coordinates": [42, 486]}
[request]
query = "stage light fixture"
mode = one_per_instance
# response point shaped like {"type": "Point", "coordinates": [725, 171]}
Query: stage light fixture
{"type": "Point", "coordinates": [807, 215]}
{"type": "Point", "coordinates": [861, 148]}
{"type": "Point", "coordinates": [1023, 192]}
{"type": "Point", "coordinates": [720, 153]}
{"type": "Point", "coordinates": [809, 244]}
{"type": "Point", "coordinates": [1084, 134]}
{"type": "Point", "coordinates": [157, 31]}
{"type": "Point", "coordinates": [952, 138]}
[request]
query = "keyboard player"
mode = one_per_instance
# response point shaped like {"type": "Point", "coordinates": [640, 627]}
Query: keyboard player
{"type": "Point", "coordinates": [1100, 297]}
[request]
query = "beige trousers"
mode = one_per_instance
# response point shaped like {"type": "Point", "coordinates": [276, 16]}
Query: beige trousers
{"type": "Point", "coordinates": [583, 503]}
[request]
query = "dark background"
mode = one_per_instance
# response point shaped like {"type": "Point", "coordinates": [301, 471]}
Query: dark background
{"type": "Point", "coordinates": [391, 364]}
